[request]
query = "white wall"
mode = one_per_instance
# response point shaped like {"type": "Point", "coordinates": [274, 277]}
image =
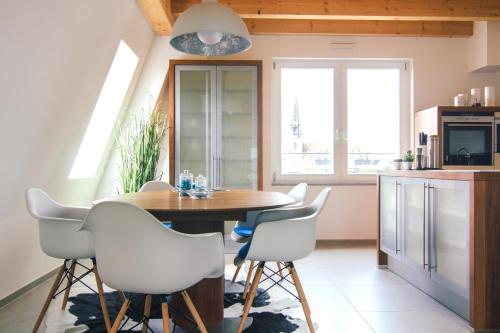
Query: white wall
{"type": "Point", "coordinates": [55, 56]}
{"type": "Point", "coordinates": [440, 72]}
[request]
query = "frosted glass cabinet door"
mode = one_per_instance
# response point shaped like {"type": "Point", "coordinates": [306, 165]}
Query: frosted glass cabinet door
{"type": "Point", "coordinates": [237, 126]}
{"type": "Point", "coordinates": [195, 103]}
{"type": "Point", "coordinates": [450, 234]}
{"type": "Point", "coordinates": [414, 223]}
{"type": "Point", "coordinates": [389, 201]}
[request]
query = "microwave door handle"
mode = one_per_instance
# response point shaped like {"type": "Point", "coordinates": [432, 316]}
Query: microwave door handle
{"type": "Point", "coordinates": [469, 125]}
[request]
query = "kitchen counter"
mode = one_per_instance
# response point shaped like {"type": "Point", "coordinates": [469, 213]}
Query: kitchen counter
{"type": "Point", "coordinates": [440, 230]}
{"type": "Point", "coordinates": [444, 174]}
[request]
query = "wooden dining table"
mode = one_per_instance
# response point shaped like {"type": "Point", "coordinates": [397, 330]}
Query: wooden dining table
{"type": "Point", "coordinates": [195, 216]}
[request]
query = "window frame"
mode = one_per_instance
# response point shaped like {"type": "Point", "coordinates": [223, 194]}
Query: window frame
{"type": "Point", "coordinates": [340, 117]}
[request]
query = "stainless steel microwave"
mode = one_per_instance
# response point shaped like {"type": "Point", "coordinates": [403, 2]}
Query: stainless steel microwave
{"type": "Point", "coordinates": [468, 139]}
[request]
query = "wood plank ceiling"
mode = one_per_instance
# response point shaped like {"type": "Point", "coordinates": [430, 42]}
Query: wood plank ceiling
{"type": "Point", "coordinates": [453, 18]}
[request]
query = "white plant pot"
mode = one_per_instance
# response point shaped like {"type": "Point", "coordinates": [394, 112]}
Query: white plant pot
{"type": "Point", "coordinates": [397, 165]}
{"type": "Point", "coordinates": [407, 165]}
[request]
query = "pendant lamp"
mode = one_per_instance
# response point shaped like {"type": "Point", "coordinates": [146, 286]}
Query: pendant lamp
{"type": "Point", "coordinates": [210, 29]}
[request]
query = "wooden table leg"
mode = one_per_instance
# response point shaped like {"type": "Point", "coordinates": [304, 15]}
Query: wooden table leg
{"type": "Point", "coordinates": [208, 294]}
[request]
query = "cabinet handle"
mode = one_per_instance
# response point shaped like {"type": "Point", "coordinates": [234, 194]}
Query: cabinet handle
{"type": "Point", "coordinates": [397, 193]}
{"type": "Point", "coordinates": [219, 171]}
{"type": "Point", "coordinates": [430, 232]}
{"type": "Point", "coordinates": [425, 211]}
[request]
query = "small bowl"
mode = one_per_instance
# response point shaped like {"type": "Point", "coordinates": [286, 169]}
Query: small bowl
{"type": "Point", "coordinates": [200, 194]}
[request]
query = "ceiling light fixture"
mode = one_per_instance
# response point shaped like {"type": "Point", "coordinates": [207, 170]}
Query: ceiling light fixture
{"type": "Point", "coordinates": [210, 29]}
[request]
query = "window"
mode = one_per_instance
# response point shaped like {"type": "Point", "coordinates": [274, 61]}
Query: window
{"type": "Point", "coordinates": [307, 121]}
{"type": "Point", "coordinates": [105, 113]}
{"type": "Point", "coordinates": [340, 120]}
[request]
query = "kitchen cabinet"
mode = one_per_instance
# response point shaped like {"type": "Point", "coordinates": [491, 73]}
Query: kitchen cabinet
{"type": "Point", "coordinates": [448, 236]}
{"type": "Point", "coordinates": [215, 117]}
{"type": "Point", "coordinates": [389, 211]}
{"type": "Point", "coordinates": [449, 260]}
{"type": "Point", "coordinates": [415, 231]}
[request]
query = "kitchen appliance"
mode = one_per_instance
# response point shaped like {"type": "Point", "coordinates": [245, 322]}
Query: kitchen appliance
{"type": "Point", "coordinates": [468, 138]}
{"type": "Point", "coordinates": [433, 152]}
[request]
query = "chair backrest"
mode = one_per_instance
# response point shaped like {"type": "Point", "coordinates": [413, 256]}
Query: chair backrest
{"type": "Point", "coordinates": [156, 185]}
{"type": "Point", "coordinates": [135, 253]}
{"type": "Point", "coordinates": [40, 204]}
{"type": "Point", "coordinates": [298, 193]}
{"type": "Point", "coordinates": [286, 234]}
{"type": "Point", "coordinates": [59, 226]}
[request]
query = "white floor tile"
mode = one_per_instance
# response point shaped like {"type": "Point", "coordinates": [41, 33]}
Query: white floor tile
{"type": "Point", "coordinates": [388, 298]}
{"type": "Point", "coordinates": [435, 321]}
{"type": "Point", "coordinates": [326, 298]}
{"type": "Point", "coordinates": [333, 322]}
{"type": "Point", "coordinates": [363, 275]}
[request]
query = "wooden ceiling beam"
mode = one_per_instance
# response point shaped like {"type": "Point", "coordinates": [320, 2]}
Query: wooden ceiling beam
{"type": "Point", "coordinates": [418, 10]}
{"type": "Point", "coordinates": [359, 27]}
{"type": "Point", "coordinates": [159, 14]}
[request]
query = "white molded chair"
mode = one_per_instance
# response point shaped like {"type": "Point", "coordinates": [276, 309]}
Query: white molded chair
{"type": "Point", "coordinates": [283, 235]}
{"type": "Point", "coordinates": [156, 185]}
{"type": "Point", "coordinates": [60, 237]}
{"type": "Point", "coordinates": [135, 253]}
{"type": "Point", "coordinates": [243, 230]}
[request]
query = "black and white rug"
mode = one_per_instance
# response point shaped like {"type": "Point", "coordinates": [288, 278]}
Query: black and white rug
{"type": "Point", "coordinates": [270, 313]}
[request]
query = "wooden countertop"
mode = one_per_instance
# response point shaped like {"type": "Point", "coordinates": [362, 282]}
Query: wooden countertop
{"type": "Point", "coordinates": [444, 174]}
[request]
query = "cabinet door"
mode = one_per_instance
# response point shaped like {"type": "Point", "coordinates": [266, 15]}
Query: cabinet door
{"type": "Point", "coordinates": [237, 127]}
{"type": "Point", "coordinates": [414, 223]}
{"type": "Point", "coordinates": [195, 106]}
{"type": "Point", "coordinates": [389, 219]}
{"type": "Point", "coordinates": [450, 234]}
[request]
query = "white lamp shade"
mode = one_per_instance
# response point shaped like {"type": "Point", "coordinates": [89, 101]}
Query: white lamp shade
{"type": "Point", "coordinates": [210, 29]}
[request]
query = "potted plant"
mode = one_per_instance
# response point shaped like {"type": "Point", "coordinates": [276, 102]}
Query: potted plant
{"type": "Point", "coordinates": [408, 160]}
{"type": "Point", "coordinates": [140, 145]}
{"type": "Point", "coordinates": [397, 163]}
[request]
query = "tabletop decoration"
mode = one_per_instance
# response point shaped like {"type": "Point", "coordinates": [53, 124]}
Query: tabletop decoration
{"type": "Point", "coordinates": [186, 183]}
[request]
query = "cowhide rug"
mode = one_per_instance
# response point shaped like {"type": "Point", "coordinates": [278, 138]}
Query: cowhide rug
{"type": "Point", "coordinates": [269, 313]}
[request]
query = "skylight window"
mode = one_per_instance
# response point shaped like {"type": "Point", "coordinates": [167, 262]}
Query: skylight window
{"type": "Point", "coordinates": [105, 113]}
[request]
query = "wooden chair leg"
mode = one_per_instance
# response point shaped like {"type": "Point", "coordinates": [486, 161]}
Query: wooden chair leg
{"type": "Point", "coordinates": [194, 312]}
{"type": "Point", "coordinates": [120, 316]}
{"type": "Point", "coordinates": [102, 298]}
{"type": "Point", "coordinates": [280, 272]}
{"type": "Point", "coordinates": [302, 297]}
{"type": "Point", "coordinates": [68, 283]}
{"type": "Point", "coordinates": [251, 296]}
{"type": "Point", "coordinates": [51, 294]}
{"type": "Point", "coordinates": [122, 296]}
{"type": "Point", "coordinates": [249, 277]}
{"type": "Point", "coordinates": [236, 274]}
{"type": "Point", "coordinates": [147, 311]}
{"type": "Point", "coordinates": [165, 317]}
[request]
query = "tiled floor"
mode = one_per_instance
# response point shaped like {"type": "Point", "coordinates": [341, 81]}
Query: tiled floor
{"type": "Point", "coordinates": [346, 293]}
